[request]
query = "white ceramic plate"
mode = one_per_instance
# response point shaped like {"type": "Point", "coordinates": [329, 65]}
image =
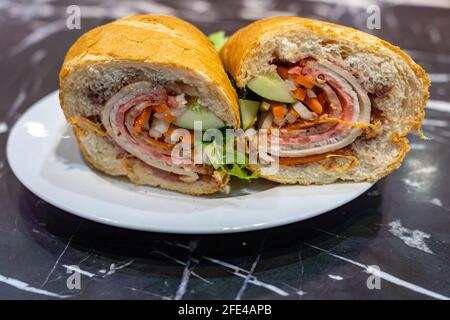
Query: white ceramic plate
{"type": "Point", "coordinates": [44, 156]}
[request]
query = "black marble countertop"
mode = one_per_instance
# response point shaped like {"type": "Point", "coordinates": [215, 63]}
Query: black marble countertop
{"type": "Point", "coordinates": [401, 225]}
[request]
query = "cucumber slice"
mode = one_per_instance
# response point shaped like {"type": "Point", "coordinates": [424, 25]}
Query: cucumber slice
{"type": "Point", "coordinates": [248, 109]}
{"type": "Point", "coordinates": [272, 87]}
{"type": "Point", "coordinates": [196, 112]}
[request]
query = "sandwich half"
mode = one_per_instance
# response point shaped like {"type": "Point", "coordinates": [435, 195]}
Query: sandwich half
{"type": "Point", "coordinates": [127, 86]}
{"type": "Point", "coordinates": [342, 101]}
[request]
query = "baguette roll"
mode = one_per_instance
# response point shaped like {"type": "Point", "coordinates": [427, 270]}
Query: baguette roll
{"type": "Point", "coordinates": [352, 98]}
{"type": "Point", "coordinates": [124, 86]}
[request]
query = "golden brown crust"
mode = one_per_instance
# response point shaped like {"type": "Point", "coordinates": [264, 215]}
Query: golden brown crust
{"type": "Point", "coordinates": [164, 40]}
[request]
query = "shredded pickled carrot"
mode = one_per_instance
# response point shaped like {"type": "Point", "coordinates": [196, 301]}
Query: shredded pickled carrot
{"type": "Point", "coordinates": [142, 119]}
{"type": "Point", "coordinates": [86, 123]}
{"type": "Point", "coordinates": [283, 72]}
{"type": "Point", "coordinates": [308, 124]}
{"type": "Point", "coordinates": [314, 105]}
{"type": "Point", "coordinates": [161, 108]}
{"type": "Point", "coordinates": [322, 98]}
{"type": "Point", "coordinates": [302, 160]}
{"type": "Point", "coordinates": [300, 94]}
{"type": "Point", "coordinates": [402, 141]}
{"type": "Point", "coordinates": [294, 113]}
{"type": "Point", "coordinates": [129, 168]}
{"type": "Point", "coordinates": [305, 81]}
{"type": "Point", "coordinates": [288, 161]}
{"type": "Point", "coordinates": [278, 110]}
{"type": "Point", "coordinates": [169, 118]}
{"type": "Point", "coordinates": [156, 143]}
{"type": "Point", "coordinates": [335, 165]}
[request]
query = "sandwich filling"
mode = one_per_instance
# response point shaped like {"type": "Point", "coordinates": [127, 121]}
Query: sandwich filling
{"type": "Point", "coordinates": [142, 118]}
{"type": "Point", "coordinates": [318, 107]}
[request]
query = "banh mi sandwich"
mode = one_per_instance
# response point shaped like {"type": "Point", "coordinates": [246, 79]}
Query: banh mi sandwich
{"type": "Point", "coordinates": [127, 86]}
{"type": "Point", "coordinates": [342, 100]}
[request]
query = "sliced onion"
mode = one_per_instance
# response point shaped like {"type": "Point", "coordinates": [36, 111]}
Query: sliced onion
{"type": "Point", "coordinates": [332, 97]}
{"type": "Point", "coordinates": [280, 121]}
{"type": "Point", "coordinates": [154, 134]}
{"type": "Point", "coordinates": [304, 112]}
{"type": "Point", "coordinates": [266, 120]}
{"type": "Point", "coordinates": [291, 85]}
{"type": "Point", "coordinates": [159, 115]}
{"type": "Point", "coordinates": [310, 93]}
{"type": "Point", "coordinates": [158, 127]}
{"type": "Point", "coordinates": [178, 111]}
{"type": "Point", "coordinates": [181, 100]}
{"type": "Point", "coordinates": [290, 117]}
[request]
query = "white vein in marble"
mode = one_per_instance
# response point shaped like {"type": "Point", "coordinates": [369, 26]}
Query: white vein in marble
{"type": "Point", "coordinates": [417, 146]}
{"type": "Point", "coordinates": [20, 99]}
{"type": "Point", "coordinates": [251, 14]}
{"type": "Point", "coordinates": [200, 6]}
{"type": "Point", "coordinates": [113, 268]}
{"type": "Point", "coordinates": [180, 263]}
{"type": "Point", "coordinates": [365, 3]}
{"type": "Point", "coordinates": [436, 123]}
{"type": "Point", "coordinates": [240, 272]}
{"type": "Point", "coordinates": [439, 77]}
{"type": "Point", "coordinates": [297, 291]}
{"type": "Point", "coordinates": [437, 202]}
{"type": "Point", "coordinates": [247, 278]}
{"type": "Point", "coordinates": [335, 277]}
{"type": "Point", "coordinates": [187, 271]}
{"type": "Point", "coordinates": [330, 233]}
{"type": "Point", "coordinates": [26, 287]}
{"type": "Point", "coordinates": [54, 266]}
{"type": "Point", "coordinates": [150, 293]}
{"type": "Point", "coordinates": [438, 105]}
{"type": "Point", "coordinates": [27, 11]}
{"type": "Point", "coordinates": [425, 170]}
{"type": "Point", "coordinates": [38, 56]}
{"type": "Point", "coordinates": [237, 271]}
{"type": "Point", "coordinates": [38, 34]}
{"type": "Point", "coordinates": [181, 290]}
{"type": "Point", "coordinates": [411, 183]}
{"type": "Point", "coordinates": [60, 255]}
{"type": "Point", "coordinates": [80, 271]}
{"type": "Point", "coordinates": [384, 275]}
{"type": "Point", "coordinates": [412, 238]}
{"type": "Point", "coordinates": [259, 9]}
